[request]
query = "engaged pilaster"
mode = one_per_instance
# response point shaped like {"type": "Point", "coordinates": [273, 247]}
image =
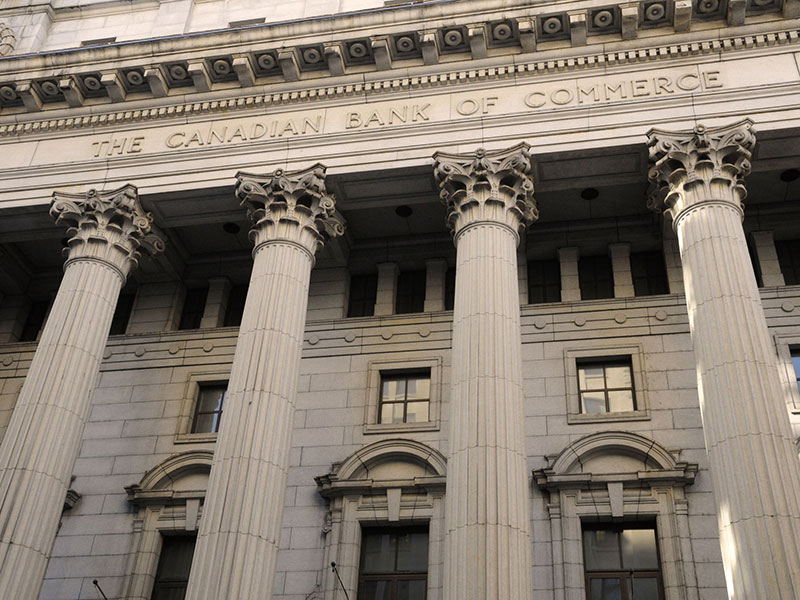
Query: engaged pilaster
{"type": "Point", "coordinates": [107, 232]}
{"type": "Point", "coordinates": [489, 198]}
{"type": "Point", "coordinates": [698, 179]}
{"type": "Point", "coordinates": [237, 548]}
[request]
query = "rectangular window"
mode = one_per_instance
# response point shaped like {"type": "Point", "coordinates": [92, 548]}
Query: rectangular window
{"type": "Point", "coordinates": [450, 288]}
{"type": "Point", "coordinates": [122, 313]}
{"type": "Point", "coordinates": [410, 292]}
{"type": "Point", "coordinates": [394, 564]}
{"type": "Point", "coordinates": [174, 565]}
{"type": "Point", "coordinates": [405, 397]}
{"type": "Point", "coordinates": [34, 321]}
{"type": "Point", "coordinates": [235, 308]}
{"type": "Point", "coordinates": [193, 306]}
{"type": "Point", "coordinates": [544, 281]}
{"type": "Point", "coordinates": [621, 562]}
{"type": "Point", "coordinates": [796, 366]}
{"type": "Point", "coordinates": [363, 293]}
{"type": "Point", "coordinates": [208, 411]}
{"type": "Point", "coordinates": [595, 277]}
{"type": "Point", "coordinates": [789, 259]}
{"type": "Point", "coordinates": [606, 387]}
{"type": "Point", "coordinates": [649, 274]}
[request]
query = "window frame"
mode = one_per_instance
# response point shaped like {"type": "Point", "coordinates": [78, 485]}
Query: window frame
{"type": "Point", "coordinates": [394, 576]}
{"type": "Point", "coordinates": [406, 376]}
{"type": "Point", "coordinates": [785, 344]}
{"type": "Point", "coordinates": [198, 412]}
{"type": "Point", "coordinates": [376, 368]}
{"type": "Point", "coordinates": [171, 583]}
{"type": "Point", "coordinates": [622, 574]}
{"type": "Point", "coordinates": [609, 353]}
{"type": "Point", "coordinates": [605, 363]}
{"type": "Point", "coordinates": [191, 396]}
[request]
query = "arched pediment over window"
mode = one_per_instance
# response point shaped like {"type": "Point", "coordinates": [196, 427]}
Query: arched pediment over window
{"type": "Point", "coordinates": [176, 479]}
{"type": "Point", "coordinates": [390, 463]}
{"type": "Point", "coordinates": [618, 456]}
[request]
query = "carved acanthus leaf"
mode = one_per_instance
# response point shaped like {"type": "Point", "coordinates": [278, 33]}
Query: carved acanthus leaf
{"type": "Point", "coordinates": [691, 166]}
{"type": "Point", "coordinates": [8, 40]}
{"type": "Point", "coordinates": [282, 198]}
{"type": "Point", "coordinates": [110, 226]}
{"type": "Point", "coordinates": [491, 180]}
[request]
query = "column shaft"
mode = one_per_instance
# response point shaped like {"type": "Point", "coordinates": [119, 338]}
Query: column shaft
{"type": "Point", "coordinates": [241, 526]}
{"type": "Point", "coordinates": [488, 534]}
{"type": "Point", "coordinates": [754, 465]}
{"type": "Point", "coordinates": [44, 435]}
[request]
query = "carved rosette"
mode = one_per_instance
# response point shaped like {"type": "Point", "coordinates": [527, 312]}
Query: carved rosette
{"type": "Point", "coordinates": [8, 40]}
{"type": "Point", "coordinates": [487, 186]}
{"type": "Point", "coordinates": [294, 207]}
{"type": "Point", "coordinates": [110, 227]}
{"type": "Point", "coordinates": [702, 165]}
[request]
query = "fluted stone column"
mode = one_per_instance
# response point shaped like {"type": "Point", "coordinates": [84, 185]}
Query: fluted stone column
{"type": "Point", "coordinates": [237, 547]}
{"type": "Point", "coordinates": [698, 180]}
{"type": "Point", "coordinates": [489, 197]}
{"type": "Point", "coordinates": [107, 231]}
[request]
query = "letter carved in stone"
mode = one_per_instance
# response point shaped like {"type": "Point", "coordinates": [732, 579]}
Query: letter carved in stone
{"type": "Point", "coordinates": [111, 227]}
{"type": "Point", "coordinates": [705, 164]}
{"type": "Point", "coordinates": [495, 186]}
{"type": "Point", "coordinates": [292, 206]}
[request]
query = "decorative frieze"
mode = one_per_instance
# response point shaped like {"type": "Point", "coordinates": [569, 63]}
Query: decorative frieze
{"type": "Point", "coordinates": [381, 51]}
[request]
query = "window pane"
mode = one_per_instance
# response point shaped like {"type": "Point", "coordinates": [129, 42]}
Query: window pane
{"type": "Point", "coordinates": [417, 412]}
{"type": "Point", "coordinates": [394, 390]}
{"type": "Point", "coordinates": [376, 590]}
{"type": "Point", "coordinates": [639, 549]}
{"type": "Point", "coordinates": [378, 553]}
{"type": "Point", "coordinates": [620, 401]}
{"type": "Point", "coordinates": [419, 389]}
{"type": "Point", "coordinates": [644, 588]}
{"type": "Point", "coordinates": [392, 413]}
{"type": "Point", "coordinates": [211, 398]}
{"type": "Point", "coordinates": [606, 589]}
{"type": "Point", "coordinates": [412, 552]}
{"type": "Point", "coordinates": [205, 423]}
{"type": "Point", "coordinates": [618, 376]}
{"type": "Point", "coordinates": [411, 589]}
{"type": "Point", "coordinates": [601, 550]}
{"type": "Point", "coordinates": [591, 378]}
{"type": "Point", "coordinates": [593, 402]}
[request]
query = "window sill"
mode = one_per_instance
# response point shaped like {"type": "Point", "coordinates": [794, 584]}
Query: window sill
{"type": "Point", "coordinates": [195, 438]}
{"type": "Point", "coordinates": [612, 417]}
{"type": "Point", "coordinates": [374, 428]}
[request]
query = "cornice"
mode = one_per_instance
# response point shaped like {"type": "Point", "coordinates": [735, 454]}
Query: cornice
{"type": "Point", "coordinates": [405, 81]}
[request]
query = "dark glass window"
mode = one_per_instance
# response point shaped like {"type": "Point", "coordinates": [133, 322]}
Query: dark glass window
{"type": "Point", "coordinates": [34, 321]}
{"type": "Point", "coordinates": [122, 313]}
{"type": "Point", "coordinates": [649, 274]}
{"type": "Point", "coordinates": [210, 402]}
{"type": "Point", "coordinates": [410, 292]}
{"type": "Point", "coordinates": [235, 308]}
{"type": "Point", "coordinates": [363, 293]}
{"type": "Point", "coordinates": [621, 562]}
{"type": "Point", "coordinates": [606, 386]}
{"type": "Point", "coordinates": [174, 565]}
{"type": "Point", "coordinates": [394, 564]}
{"type": "Point", "coordinates": [450, 288]}
{"type": "Point", "coordinates": [544, 281]}
{"type": "Point", "coordinates": [796, 365]}
{"type": "Point", "coordinates": [405, 397]}
{"type": "Point", "coordinates": [789, 259]}
{"type": "Point", "coordinates": [595, 277]}
{"type": "Point", "coordinates": [193, 306]}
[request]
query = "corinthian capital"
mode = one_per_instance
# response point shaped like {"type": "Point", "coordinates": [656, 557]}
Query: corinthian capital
{"type": "Point", "coordinates": [292, 206]}
{"type": "Point", "coordinates": [109, 227]}
{"type": "Point", "coordinates": [702, 165]}
{"type": "Point", "coordinates": [487, 186]}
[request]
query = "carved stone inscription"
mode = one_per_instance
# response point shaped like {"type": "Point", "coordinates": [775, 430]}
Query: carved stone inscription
{"type": "Point", "coordinates": [543, 96]}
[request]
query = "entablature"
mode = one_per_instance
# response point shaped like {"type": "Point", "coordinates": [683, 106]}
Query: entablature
{"type": "Point", "coordinates": [374, 52]}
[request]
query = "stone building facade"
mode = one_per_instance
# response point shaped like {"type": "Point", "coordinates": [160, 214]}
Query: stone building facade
{"type": "Point", "coordinates": [471, 299]}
